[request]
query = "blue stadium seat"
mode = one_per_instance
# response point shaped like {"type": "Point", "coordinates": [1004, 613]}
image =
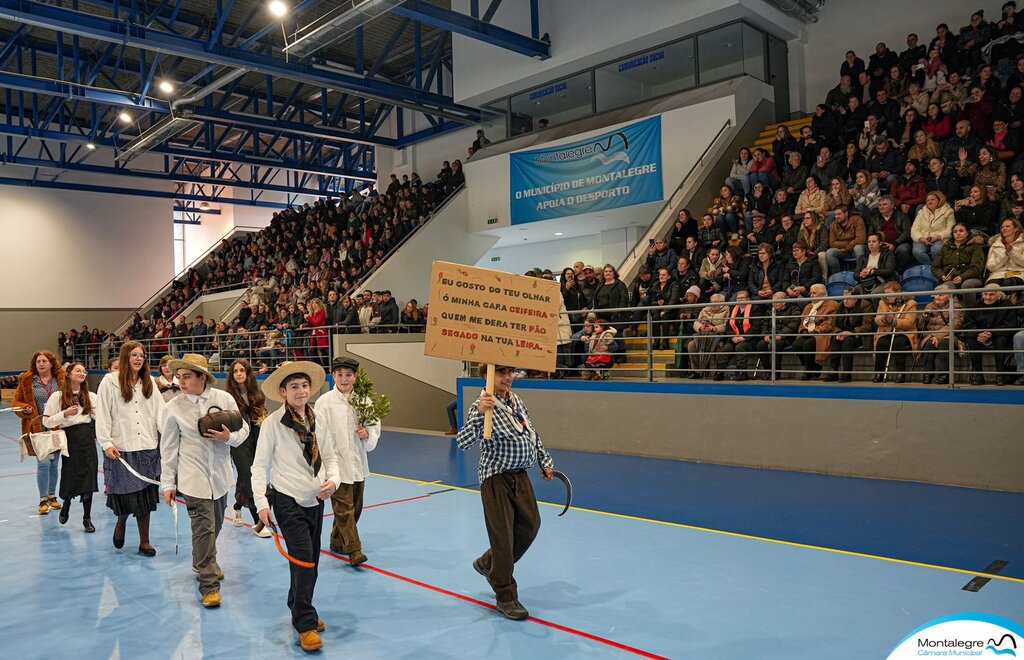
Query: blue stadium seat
{"type": "Point", "coordinates": [919, 278]}
{"type": "Point", "coordinates": [839, 281]}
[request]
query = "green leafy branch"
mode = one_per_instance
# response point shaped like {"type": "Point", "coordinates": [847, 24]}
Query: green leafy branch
{"type": "Point", "coordinates": [370, 406]}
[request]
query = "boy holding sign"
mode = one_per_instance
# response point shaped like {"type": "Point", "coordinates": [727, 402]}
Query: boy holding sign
{"type": "Point", "coordinates": [510, 506]}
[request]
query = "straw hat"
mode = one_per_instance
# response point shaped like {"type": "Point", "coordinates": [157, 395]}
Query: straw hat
{"type": "Point", "coordinates": [272, 385]}
{"type": "Point", "coordinates": [194, 362]}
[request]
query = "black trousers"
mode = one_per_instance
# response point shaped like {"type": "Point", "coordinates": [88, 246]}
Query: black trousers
{"type": "Point", "coordinates": [744, 355]}
{"type": "Point", "coordinates": [513, 520]}
{"type": "Point", "coordinates": [805, 347]}
{"type": "Point", "coordinates": [301, 527]}
{"type": "Point", "coordinates": [1002, 350]}
{"type": "Point", "coordinates": [900, 349]}
{"type": "Point", "coordinates": [841, 357]}
{"type": "Point", "coordinates": [935, 360]}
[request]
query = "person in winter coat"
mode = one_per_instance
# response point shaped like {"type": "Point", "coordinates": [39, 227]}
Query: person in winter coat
{"type": "Point", "coordinates": [598, 362]}
{"type": "Point", "coordinates": [660, 255]}
{"type": "Point", "coordinates": [801, 272]}
{"type": "Point", "coordinates": [708, 331]}
{"type": "Point", "coordinates": [739, 174]}
{"type": "Point", "coordinates": [664, 292]}
{"type": "Point", "coordinates": [931, 227]}
{"type": "Point", "coordinates": [908, 190]}
{"type": "Point", "coordinates": [1005, 264]}
{"type": "Point", "coordinates": [728, 209]}
{"type": "Point", "coordinates": [787, 320]}
{"type": "Point", "coordinates": [961, 261]}
{"type": "Point", "coordinates": [611, 293]}
{"type": "Point", "coordinates": [43, 377]}
{"type": "Point", "coordinates": [990, 327]}
{"type": "Point", "coordinates": [894, 227]}
{"type": "Point", "coordinates": [853, 321]}
{"type": "Point", "coordinates": [875, 267]}
{"type": "Point", "coordinates": [743, 328]}
{"type": "Point", "coordinates": [897, 333]}
{"type": "Point", "coordinates": [814, 333]}
{"type": "Point", "coordinates": [765, 274]}
{"type": "Point", "coordinates": [710, 234]}
{"type": "Point", "coordinates": [977, 212]}
{"type": "Point", "coordinates": [763, 169]}
{"type": "Point", "coordinates": [934, 324]}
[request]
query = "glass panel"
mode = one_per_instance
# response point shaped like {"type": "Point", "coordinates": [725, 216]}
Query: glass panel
{"type": "Point", "coordinates": [720, 53]}
{"type": "Point", "coordinates": [557, 103]}
{"type": "Point", "coordinates": [494, 120]}
{"type": "Point", "coordinates": [646, 75]}
{"type": "Point", "coordinates": [753, 52]}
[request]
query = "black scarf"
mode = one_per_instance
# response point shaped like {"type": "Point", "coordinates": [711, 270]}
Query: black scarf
{"type": "Point", "coordinates": [306, 431]}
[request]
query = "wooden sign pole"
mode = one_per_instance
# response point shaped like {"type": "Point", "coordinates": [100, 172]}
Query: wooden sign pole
{"type": "Point", "coordinates": [489, 415]}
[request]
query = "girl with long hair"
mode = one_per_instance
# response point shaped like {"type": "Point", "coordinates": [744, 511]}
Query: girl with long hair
{"type": "Point", "coordinates": [129, 416]}
{"type": "Point", "coordinates": [73, 409]}
{"type": "Point", "coordinates": [241, 384]}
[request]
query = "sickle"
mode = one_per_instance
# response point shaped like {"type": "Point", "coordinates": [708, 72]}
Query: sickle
{"type": "Point", "coordinates": [280, 548]}
{"type": "Point", "coordinates": [568, 489]}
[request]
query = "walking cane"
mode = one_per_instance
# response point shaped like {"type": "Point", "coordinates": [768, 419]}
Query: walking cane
{"type": "Point", "coordinates": [892, 342]}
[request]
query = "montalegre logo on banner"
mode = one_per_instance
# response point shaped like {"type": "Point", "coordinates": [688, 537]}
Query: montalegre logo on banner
{"type": "Point", "coordinates": [612, 170]}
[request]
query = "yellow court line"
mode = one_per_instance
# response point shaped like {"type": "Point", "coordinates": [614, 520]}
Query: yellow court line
{"type": "Point", "coordinates": [792, 544]}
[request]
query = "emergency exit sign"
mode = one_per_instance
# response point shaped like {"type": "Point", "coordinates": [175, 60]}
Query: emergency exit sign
{"type": "Point", "coordinates": [492, 221]}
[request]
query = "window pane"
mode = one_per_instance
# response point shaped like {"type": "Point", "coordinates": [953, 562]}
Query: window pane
{"type": "Point", "coordinates": [753, 52]}
{"type": "Point", "coordinates": [558, 102]}
{"type": "Point", "coordinates": [494, 121]}
{"type": "Point", "coordinates": [720, 53]}
{"type": "Point", "coordinates": [646, 75]}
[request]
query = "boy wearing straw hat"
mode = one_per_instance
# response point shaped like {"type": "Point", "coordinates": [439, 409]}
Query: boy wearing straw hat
{"type": "Point", "coordinates": [198, 467]}
{"type": "Point", "coordinates": [297, 451]}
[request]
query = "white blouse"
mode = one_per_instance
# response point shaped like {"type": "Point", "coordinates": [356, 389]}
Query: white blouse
{"type": "Point", "coordinates": [341, 418]}
{"type": "Point", "coordinates": [53, 414]}
{"type": "Point", "coordinates": [132, 425]}
{"type": "Point", "coordinates": [279, 454]}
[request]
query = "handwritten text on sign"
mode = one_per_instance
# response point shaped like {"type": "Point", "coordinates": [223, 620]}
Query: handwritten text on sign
{"type": "Point", "coordinates": [492, 317]}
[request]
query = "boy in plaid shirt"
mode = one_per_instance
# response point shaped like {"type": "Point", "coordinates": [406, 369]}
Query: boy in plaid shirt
{"type": "Point", "coordinates": [510, 506]}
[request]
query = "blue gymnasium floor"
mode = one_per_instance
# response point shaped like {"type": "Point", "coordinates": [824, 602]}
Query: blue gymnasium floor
{"type": "Point", "coordinates": [598, 585]}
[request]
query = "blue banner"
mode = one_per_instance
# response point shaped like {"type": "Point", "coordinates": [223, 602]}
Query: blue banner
{"type": "Point", "coordinates": [616, 169]}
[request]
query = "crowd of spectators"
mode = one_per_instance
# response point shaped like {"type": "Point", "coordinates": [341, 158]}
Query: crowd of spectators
{"type": "Point", "coordinates": [303, 272]}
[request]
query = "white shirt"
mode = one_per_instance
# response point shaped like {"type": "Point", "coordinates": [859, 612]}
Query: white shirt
{"type": "Point", "coordinates": [341, 418]}
{"type": "Point", "coordinates": [53, 414]}
{"type": "Point", "coordinates": [194, 465]}
{"type": "Point", "coordinates": [279, 454]}
{"type": "Point", "coordinates": [131, 426]}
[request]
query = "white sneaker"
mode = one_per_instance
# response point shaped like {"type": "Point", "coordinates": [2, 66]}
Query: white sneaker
{"type": "Point", "coordinates": [261, 531]}
{"type": "Point", "coordinates": [238, 518]}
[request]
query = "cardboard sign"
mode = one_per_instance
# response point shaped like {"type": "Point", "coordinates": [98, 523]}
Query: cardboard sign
{"type": "Point", "coordinates": [488, 316]}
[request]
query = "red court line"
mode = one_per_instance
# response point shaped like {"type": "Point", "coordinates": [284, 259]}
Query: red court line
{"type": "Point", "coordinates": [370, 506]}
{"type": "Point", "coordinates": [20, 474]}
{"type": "Point", "coordinates": [480, 603]}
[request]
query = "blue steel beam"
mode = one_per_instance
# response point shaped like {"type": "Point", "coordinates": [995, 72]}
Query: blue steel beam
{"type": "Point", "coordinates": [137, 36]}
{"type": "Point", "coordinates": [71, 91]}
{"type": "Point", "coordinates": [474, 28]}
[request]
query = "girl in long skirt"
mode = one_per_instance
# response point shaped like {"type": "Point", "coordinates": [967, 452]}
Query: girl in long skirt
{"type": "Point", "coordinates": [242, 385]}
{"type": "Point", "coordinates": [73, 409]}
{"type": "Point", "coordinates": [128, 418]}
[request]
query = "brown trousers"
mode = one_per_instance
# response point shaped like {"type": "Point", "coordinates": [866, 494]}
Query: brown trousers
{"type": "Point", "coordinates": [207, 518]}
{"type": "Point", "coordinates": [513, 520]}
{"type": "Point", "coordinates": [347, 503]}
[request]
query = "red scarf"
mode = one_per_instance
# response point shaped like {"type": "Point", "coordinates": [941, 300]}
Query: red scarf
{"type": "Point", "coordinates": [746, 319]}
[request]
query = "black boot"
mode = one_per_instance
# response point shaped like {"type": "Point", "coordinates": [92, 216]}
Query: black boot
{"type": "Point", "coordinates": [65, 512]}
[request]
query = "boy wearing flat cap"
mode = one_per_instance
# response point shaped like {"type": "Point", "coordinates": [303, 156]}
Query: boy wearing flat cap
{"type": "Point", "coordinates": [510, 506]}
{"type": "Point", "coordinates": [351, 442]}
{"type": "Point", "coordinates": [198, 466]}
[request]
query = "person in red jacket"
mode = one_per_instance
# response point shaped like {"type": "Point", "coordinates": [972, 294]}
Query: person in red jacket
{"type": "Point", "coordinates": [908, 191]}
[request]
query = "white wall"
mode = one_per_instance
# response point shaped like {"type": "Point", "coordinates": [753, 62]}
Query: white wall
{"type": "Point", "coordinates": [856, 26]}
{"type": "Point", "coordinates": [550, 254]}
{"type": "Point", "coordinates": [586, 34]}
{"type": "Point", "coordinates": [65, 249]}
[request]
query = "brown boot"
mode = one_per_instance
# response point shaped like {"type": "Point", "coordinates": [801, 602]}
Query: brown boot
{"type": "Point", "coordinates": [310, 641]}
{"type": "Point", "coordinates": [44, 506]}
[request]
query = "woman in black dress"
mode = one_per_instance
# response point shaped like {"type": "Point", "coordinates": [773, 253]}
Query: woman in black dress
{"type": "Point", "coordinates": [252, 404]}
{"type": "Point", "coordinates": [73, 409]}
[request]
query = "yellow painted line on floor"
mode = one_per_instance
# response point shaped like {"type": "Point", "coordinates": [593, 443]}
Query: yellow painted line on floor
{"type": "Point", "coordinates": [792, 544]}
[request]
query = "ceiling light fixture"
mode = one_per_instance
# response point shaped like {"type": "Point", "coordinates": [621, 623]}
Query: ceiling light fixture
{"type": "Point", "coordinates": [166, 87]}
{"type": "Point", "coordinates": [278, 8]}
{"type": "Point", "coordinates": [125, 117]}
{"type": "Point", "coordinates": [90, 146]}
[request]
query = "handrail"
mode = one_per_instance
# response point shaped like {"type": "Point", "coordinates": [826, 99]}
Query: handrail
{"type": "Point", "coordinates": [122, 324]}
{"type": "Point", "coordinates": [671, 200]}
{"type": "Point", "coordinates": [389, 253]}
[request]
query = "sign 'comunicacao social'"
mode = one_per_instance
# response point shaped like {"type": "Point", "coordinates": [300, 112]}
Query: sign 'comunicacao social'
{"type": "Point", "coordinates": [612, 170]}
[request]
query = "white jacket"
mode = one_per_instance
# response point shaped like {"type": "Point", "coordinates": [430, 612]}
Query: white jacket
{"type": "Point", "coordinates": [1001, 262]}
{"type": "Point", "coordinates": [940, 223]}
{"type": "Point", "coordinates": [340, 417]}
